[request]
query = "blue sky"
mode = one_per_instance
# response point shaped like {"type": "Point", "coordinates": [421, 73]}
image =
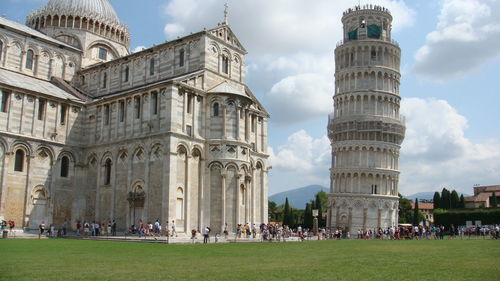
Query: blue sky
{"type": "Point", "coordinates": [450, 66]}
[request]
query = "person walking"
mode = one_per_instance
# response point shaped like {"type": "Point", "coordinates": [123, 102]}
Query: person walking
{"type": "Point", "coordinates": [173, 229]}
{"type": "Point", "coordinates": [206, 233]}
{"type": "Point", "coordinates": [42, 229]}
{"type": "Point", "coordinates": [78, 227]}
{"type": "Point", "coordinates": [113, 228]}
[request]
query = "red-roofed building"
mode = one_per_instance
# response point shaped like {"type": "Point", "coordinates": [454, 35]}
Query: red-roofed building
{"type": "Point", "coordinates": [483, 196]}
{"type": "Point", "coordinates": [427, 209]}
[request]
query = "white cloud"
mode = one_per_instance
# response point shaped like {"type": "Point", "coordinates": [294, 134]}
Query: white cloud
{"type": "Point", "coordinates": [303, 156]}
{"type": "Point", "coordinates": [300, 97]}
{"type": "Point", "coordinates": [290, 45]}
{"type": "Point", "coordinates": [275, 27]}
{"type": "Point", "coordinates": [466, 37]}
{"type": "Point", "coordinates": [434, 154]}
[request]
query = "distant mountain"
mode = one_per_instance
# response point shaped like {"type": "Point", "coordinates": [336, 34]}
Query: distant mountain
{"type": "Point", "coordinates": [421, 195]}
{"type": "Point", "coordinates": [426, 195]}
{"type": "Point", "coordinates": [298, 197]}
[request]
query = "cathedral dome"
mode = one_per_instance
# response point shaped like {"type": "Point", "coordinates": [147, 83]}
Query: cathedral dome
{"type": "Point", "coordinates": [99, 10]}
{"type": "Point", "coordinates": [95, 16]}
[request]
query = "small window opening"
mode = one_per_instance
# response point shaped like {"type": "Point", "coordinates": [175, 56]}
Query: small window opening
{"type": "Point", "coordinates": [29, 59]}
{"type": "Point", "coordinates": [4, 107]}
{"type": "Point", "coordinates": [121, 111]}
{"type": "Point", "coordinates": [154, 103]}
{"type": "Point", "coordinates": [125, 74]}
{"type": "Point", "coordinates": [181, 57]}
{"type": "Point", "coordinates": [19, 161]}
{"type": "Point", "coordinates": [104, 80]}
{"type": "Point", "coordinates": [107, 172]}
{"type": "Point", "coordinates": [64, 167]}
{"type": "Point", "coordinates": [216, 109]}
{"type": "Point", "coordinates": [106, 114]}
{"type": "Point", "coordinates": [225, 64]}
{"type": "Point", "coordinates": [64, 110]}
{"type": "Point", "coordinates": [137, 107]}
{"type": "Point", "coordinates": [41, 108]}
{"type": "Point", "coordinates": [152, 66]}
{"type": "Point", "coordinates": [103, 54]}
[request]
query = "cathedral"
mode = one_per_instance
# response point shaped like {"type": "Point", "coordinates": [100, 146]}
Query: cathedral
{"type": "Point", "coordinates": [92, 132]}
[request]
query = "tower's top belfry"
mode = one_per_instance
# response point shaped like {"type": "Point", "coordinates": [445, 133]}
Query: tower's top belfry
{"type": "Point", "coordinates": [367, 22]}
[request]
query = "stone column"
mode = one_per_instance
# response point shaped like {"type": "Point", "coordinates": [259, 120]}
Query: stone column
{"type": "Point", "coordinates": [365, 217]}
{"type": "Point", "coordinates": [200, 194]}
{"type": "Point", "coordinates": [224, 121]}
{"type": "Point", "coordinates": [98, 192]}
{"type": "Point", "coordinates": [187, 192]}
{"type": "Point", "coordinates": [223, 214]}
{"type": "Point", "coordinates": [237, 199]}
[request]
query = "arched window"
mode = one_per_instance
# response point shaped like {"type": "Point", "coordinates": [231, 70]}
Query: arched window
{"type": "Point", "coordinates": [216, 109]}
{"type": "Point", "coordinates": [1, 50]}
{"type": "Point", "coordinates": [152, 66]}
{"type": "Point", "coordinates": [64, 166]}
{"type": "Point", "coordinates": [104, 80]}
{"type": "Point", "coordinates": [181, 57]}
{"type": "Point", "coordinates": [107, 172]}
{"type": "Point", "coordinates": [225, 64]}
{"type": "Point", "coordinates": [29, 59]}
{"type": "Point", "coordinates": [19, 161]}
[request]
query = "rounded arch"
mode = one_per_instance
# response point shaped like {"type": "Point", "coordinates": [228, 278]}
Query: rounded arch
{"type": "Point", "coordinates": [232, 164]}
{"type": "Point", "coordinates": [40, 192]}
{"type": "Point", "coordinates": [260, 163]}
{"type": "Point", "coordinates": [23, 145]}
{"type": "Point", "coordinates": [110, 47]}
{"type": "Point", "coordinates": [215, 164]}
{"type": "Point", "coordinates": [196, 153]}
{"type": "Point", "coordinates": [107, 155]}
{"type": "Point", "coordinates": [183, 147]}
{"type": "Point", "coordinates": [68, 154]}
{"type": "Point", "coordinates": [136, 185]}
{"type": "Point", "coordinates": [215, 47]}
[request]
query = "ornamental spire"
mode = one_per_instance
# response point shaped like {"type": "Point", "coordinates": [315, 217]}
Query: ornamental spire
{"type": "Point", "coordinates": [225, 13]}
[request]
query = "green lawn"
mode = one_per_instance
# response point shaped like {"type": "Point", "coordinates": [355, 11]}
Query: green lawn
{"type": "Point", "coordinates": [65, 259]}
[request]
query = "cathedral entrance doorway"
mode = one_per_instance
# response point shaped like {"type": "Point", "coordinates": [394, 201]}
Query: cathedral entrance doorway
{"type": "Point", "coordinates": [136, 205]}
{"type": "Point", "coordinates": [39, 198]}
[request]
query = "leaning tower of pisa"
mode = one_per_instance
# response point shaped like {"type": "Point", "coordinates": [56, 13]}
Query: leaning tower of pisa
{"type": "Point", "coordinates": [365, 129]}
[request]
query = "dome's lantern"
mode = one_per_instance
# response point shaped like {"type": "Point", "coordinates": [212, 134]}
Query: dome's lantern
{"type": "Point", "coordinates": [96, 16]}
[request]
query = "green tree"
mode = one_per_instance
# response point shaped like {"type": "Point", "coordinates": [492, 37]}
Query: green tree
{"type": "Point", "coordinates": [462, 202]}
{"type": "Point", "coordinates": [436, 200]}
{"type": "Point", "coordinates": [272, 208]}
{"type": "Point", "coordinates": [323, 196]}
{"type": "Point", "coordinates": [405, 210]}
{"type": "Point", "coordinates": [494, 203]}
{"type": "Point", "coordinates": [287, 213]}
{"type": "Point", "coordinates": [308, 219]}
{"type": "Point", "coordinates": [454, 200]}
{"type": "Point", "coordinates": [445, 199]}
{"type": "Point", "coordinates": [415, 213]}
{"type": "Point", "coordinates": [319, 205]}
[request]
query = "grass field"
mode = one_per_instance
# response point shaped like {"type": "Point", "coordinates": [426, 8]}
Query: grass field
{"type": "Point", "coordinates": [65, 259]}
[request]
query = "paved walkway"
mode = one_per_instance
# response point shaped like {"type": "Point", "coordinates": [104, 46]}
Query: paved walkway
{"type": "Point", "coordinates": [181, 239]}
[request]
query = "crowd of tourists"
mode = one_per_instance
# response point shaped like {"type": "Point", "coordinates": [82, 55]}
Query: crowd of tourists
{"type": "Point", "coordinates": [265, 232]}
